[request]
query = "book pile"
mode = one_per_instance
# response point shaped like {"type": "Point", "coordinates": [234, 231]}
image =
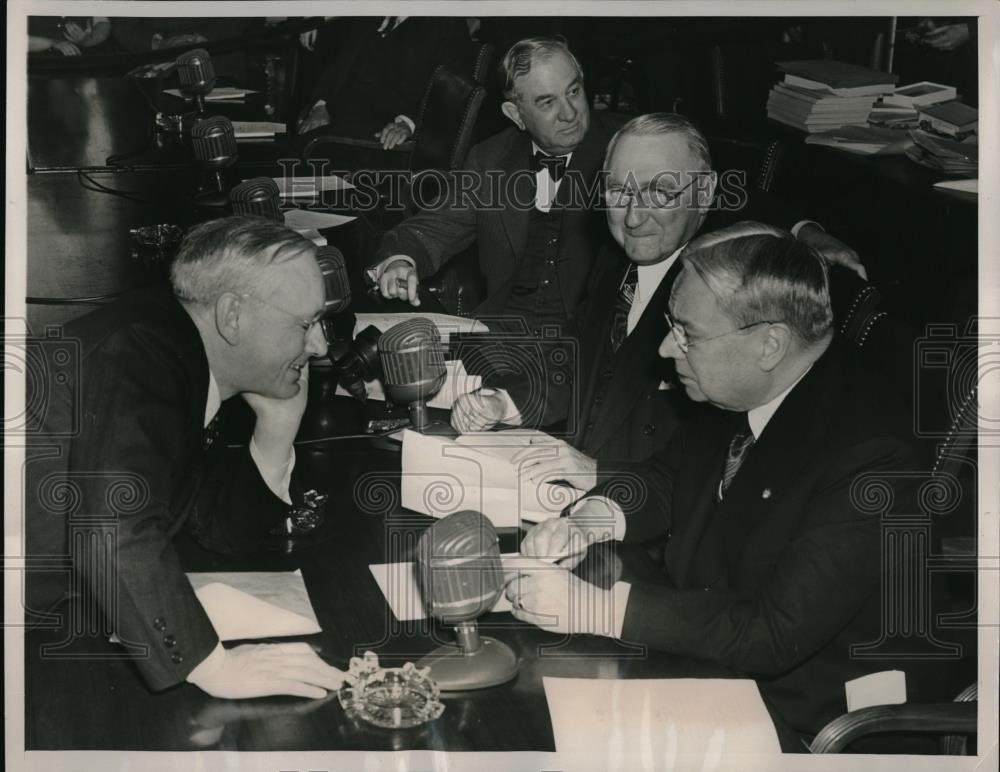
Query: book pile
{"type": "Point", "coordinates": [953, 119]}
{"type": "Point", "coordinates": [818, 95]}
{"type": "Point", "coordinates": [954, 159]}
{"type": "Point", "coordinates": [901, 108]}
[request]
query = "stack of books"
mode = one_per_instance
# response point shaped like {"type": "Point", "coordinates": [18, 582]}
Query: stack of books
{"type": "Point", "coordinates": [953, 119]}
{"type": "Point", "coordinates": [818, 95]}
{"type": "Point", "coordinates": [900, 110]}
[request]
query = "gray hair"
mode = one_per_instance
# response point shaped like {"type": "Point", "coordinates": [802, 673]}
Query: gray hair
{"type": "Point", "coordinates": [522, 55]}
{"type": "Point", "coordinates": [226, 255]}
{"type": "Point", "coordinates": [768, 278]}
{"type": "Point", "coordinates": [656, 124]}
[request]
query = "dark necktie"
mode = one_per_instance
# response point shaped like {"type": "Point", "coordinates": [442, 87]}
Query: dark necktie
{"type": "Point", "coordinates": [211, 432]}
{"type": "Point", "coordinates": [555, 165]}
{"type": "Point", "coordinates": [739, 446]}
{"type": "Point", "coordinates": [619, 326]}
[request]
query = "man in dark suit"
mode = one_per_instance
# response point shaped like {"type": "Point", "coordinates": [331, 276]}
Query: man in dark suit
{"type": "Point", "coordinates": [774, 564]}
{"type": "Point", "coordinates": [137, 461]}
{"type": "Point", "coordinates": [376, 77]}
{"type": "Point", "coordinates": [621, 404]}
{"type": "Point", "coordinates": [524, 199]}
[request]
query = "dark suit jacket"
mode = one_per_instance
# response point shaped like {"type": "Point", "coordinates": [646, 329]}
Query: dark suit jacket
{"type": "Point", "coordinates": [373, 77]}
{"type": "Point", "coordinates": [495, 210]}
{"type": "Point", "coordinates": [779, 580]}
{"type": "Point", "coordinates": [137, 470]}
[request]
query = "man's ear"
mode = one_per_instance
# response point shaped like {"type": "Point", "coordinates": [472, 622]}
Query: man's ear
{"type": "Point", "coordinates": [511, 111]}
{"type": "Point", "coordinates": [227, 317]}
{"type": "Point", "coordinates": [776, 344]}
{"type": "Point", "coordinates": [705, 189]}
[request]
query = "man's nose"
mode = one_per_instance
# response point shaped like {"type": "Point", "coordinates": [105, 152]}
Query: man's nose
{"type": "Point", "coordinates": [634, 213]}
{"type": "Point", "coordinates": [669, 348]}
{"type": "Point", "coordinates": [567, 111]}
{"type": "Point", "coordinates": [316, 341]}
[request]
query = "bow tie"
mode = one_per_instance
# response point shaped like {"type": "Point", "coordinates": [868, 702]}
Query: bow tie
{"type": "Point", "coordinates": [555, 165]}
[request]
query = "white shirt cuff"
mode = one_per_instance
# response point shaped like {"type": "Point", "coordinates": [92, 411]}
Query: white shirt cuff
{"type": "Point", "coordinates": [207, 667]}
{"type": "Point", "coordinates": [614, 518]}
{"type": "Point", "coordinates": [408, 121]}
{"type": "Point", "coordinates": [277, 478]}
{"type": "Point", "coordinates": [619, 600]}
{"type": "Point", "coordinates": [802, 224]}
{"type": "Point", "coordinates": [376, 271]}
{"type": "Point", "coordinates": [511, 415]}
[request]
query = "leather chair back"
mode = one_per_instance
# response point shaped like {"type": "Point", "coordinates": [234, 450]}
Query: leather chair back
{"type": "Point", "coordinates": [447, 116]}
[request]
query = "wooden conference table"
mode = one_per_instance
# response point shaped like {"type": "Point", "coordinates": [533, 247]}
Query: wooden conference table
{"type": "Point", "coordinates": [86, 699]}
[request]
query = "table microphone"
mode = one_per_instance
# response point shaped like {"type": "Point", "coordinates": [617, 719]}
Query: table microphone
{"type": "Point", "coordinates": [413, 368]}
{"type": "Point", "coordinates": [257, 197]}
{"type": "Point", "coordinates": [197, 75]}
{"type": "Point", "coordinates": [336, 286]}
{"type": "Point", "coordinates": [461, 578]}
{"type": "Point", "coordinates": [214, 142]}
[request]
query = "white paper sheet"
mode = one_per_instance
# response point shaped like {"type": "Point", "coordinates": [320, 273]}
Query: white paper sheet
{"type": "Point", "coordinates": [220, 94]}
{"type": "Point", "coordinates": [398, 584]}
{"type": "Point", "coordinates": [457, 382]}
{"type": "Point", "coordinates": [671, 723]}
{"type": "Point", "coordinates": [257, 129]}
{"type": "Point", "coordinates": [446, 324]}
{"type": "Point", "coordinates": [441, 476]}
{"type": "Point", "coordinates": [963, 186]}
{"type": "Point", "coordinates": [294, 187]}
{"type": "Point", "coordinates": [306, 218]}
{"type": "Point", "coordinates": [887, 687]}
{"type": "Point", "coordinates": [245, 605]}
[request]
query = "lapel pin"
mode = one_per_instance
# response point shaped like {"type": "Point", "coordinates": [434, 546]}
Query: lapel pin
{"type": "Point", "coordinates": [766, 493]}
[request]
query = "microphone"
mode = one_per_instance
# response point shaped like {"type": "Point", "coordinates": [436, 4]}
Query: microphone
{"type": "Point", "coordinates": [257, 197]}
{"type": "Point", "coordinates": [358, 362]}
{"type": "Point", "coordinates": [336, 286]}
{"type": "Point", "coordinates": [413, 368]}
{"type": "Point", "coordinates": [461, 577]}
{"type": "Point", "coordinates": [214, 142]}
{"type": "Point", "coordinates": [197, 75]}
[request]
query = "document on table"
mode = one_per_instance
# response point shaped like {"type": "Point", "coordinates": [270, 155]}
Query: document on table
{"type": "Point", "coordinates": [295, 187]}
{"type": "Point", "coordinates": [398, 583]}
{"type": "Point", "coordinates": [446, 325]}
{"type": "Point", "coordinates": [441, 476]}
{"type": "Point", "coordinates": [664, 723]}
{"type": "Point", "coordinates": [257, 129]}
{"type": "Point", "coordinates": [220, 94]}
{"type": "Point", "coordinates": [306, 219]}
{"type": "Point", "coordinates": [245, 605]}
{"type": "Point", "coordinates": [457, 382]}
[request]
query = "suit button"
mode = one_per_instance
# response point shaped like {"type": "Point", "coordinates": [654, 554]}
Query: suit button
{"type": "Point", "coordinates": [597, 401]}
{"type": "Point", "coordinates": [160, 624]}
{"type": "Point", "coordinates": [590, 425]}
{"type": "Point", "coordinates": [177, 658]}
{"type": "Point", "coordinates": [649, 429]}
{"type": "Point", "coordinates": [169, 641]}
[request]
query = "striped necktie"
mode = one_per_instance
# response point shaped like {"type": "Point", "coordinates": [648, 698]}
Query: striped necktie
{"type": "Point", "coordinates": [619, 325]}
{"type": "Point", "coordinates": [741, 443]}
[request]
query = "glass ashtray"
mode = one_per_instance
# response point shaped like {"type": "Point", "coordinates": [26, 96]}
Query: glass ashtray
{"type": "Point", "coordinates": [395, 698]}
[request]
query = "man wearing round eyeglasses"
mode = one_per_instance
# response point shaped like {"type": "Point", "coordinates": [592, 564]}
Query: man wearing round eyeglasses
{"type": "Point", "coordinates": [135, 425]}
{"type": "Point", "coordinates": [775, 560]}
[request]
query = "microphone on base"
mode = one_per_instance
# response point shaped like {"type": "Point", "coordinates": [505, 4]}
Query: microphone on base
{"type": "Point", "coordinates": [257, 197]}
{"type": "Point", "coordinates": [461, 578]}
{"type": "Point", "coordinates": [413, 368]}
{"type": "Point", "coordinates": [197, 75]}
{"type": "Point", "coordinates": [214, 142]}
{"type": "Point", "coordinates": [336, 287]}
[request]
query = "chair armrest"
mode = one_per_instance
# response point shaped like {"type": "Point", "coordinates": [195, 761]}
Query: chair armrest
{"type": "Point", "coordinates": [943, 718]}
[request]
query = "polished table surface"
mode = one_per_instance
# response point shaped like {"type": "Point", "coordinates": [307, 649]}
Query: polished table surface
{"type": "Point", "coordinates": [92, 702]}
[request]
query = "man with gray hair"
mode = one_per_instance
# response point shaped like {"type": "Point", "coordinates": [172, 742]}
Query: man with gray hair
{"type": "Point", "coordinates": [774, 565]}
{"type": "Point", "coordinates": [154, 368]}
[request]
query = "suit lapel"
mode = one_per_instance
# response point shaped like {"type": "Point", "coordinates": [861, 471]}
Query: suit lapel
{"type": "Point", "coordinates": [516, 211]}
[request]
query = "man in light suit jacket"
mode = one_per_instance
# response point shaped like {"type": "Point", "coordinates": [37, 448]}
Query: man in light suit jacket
{"type": "Point", "coordinates": [137, 458]}
{"type": "Point", "coordinates": [774, 565]}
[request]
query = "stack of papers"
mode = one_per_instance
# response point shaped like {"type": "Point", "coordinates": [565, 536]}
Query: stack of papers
{"type": "Point", "coordinates": [257, 129]}
{"type": "Point", "coordinates": [863, 140]}
{"type": "Point", "coordinates": [476, 471]}
{"type": "Point", "coordinates": [956, 159]}
{"type": "Point", "coordinates": [221, 94]}
{"type": "Point", "coordinates": [818, 95]}
{"type": "Point", "coordinates": [668, 723]}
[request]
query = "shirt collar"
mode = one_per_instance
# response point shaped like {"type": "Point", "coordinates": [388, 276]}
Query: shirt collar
{"type": "Point", "coordinates": [759, 416]}
{"type": "Point", "coordinates": [214, 400]}
{"type": "Point", "coordinates": [651, 275]}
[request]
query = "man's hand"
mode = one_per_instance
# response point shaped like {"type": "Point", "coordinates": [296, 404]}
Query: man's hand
{"type": "Point", "coordinates": [554, 599]}
{"type": "Point", "coordinates": [559, 461]}
{"type": "Point", "coordinates": [393, 134]}
{"type": "Point", "coordinates": [77, 34]}
{"type": "Point", "coordinates": [317, 117]}
{"type": "Point", "coordinates": [278, 421]}
{"type": "Point", "coordinates": [948, 37]}
{"type": "Point", "coordinates": [262, 670]}
{"type": "Point", "coordinates": [399, 280]}
{"type": "Point", "coordinates": [66, 48]}
{"type": "Point", "coordinates": [831, 249]}
{"type": "Point", "coordinates": [476, 412]}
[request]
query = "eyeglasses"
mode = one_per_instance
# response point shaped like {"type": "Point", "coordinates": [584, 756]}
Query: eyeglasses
{"type": "Point", "coordinates": [684, 342]}
{"type": "Point", "coordinates": [306, 324]}
{"type": "Point", "coordinates": [650, 197]}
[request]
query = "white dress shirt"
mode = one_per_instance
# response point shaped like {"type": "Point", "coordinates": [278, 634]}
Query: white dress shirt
{"type": "Point", "coordinates": [546, 188]}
